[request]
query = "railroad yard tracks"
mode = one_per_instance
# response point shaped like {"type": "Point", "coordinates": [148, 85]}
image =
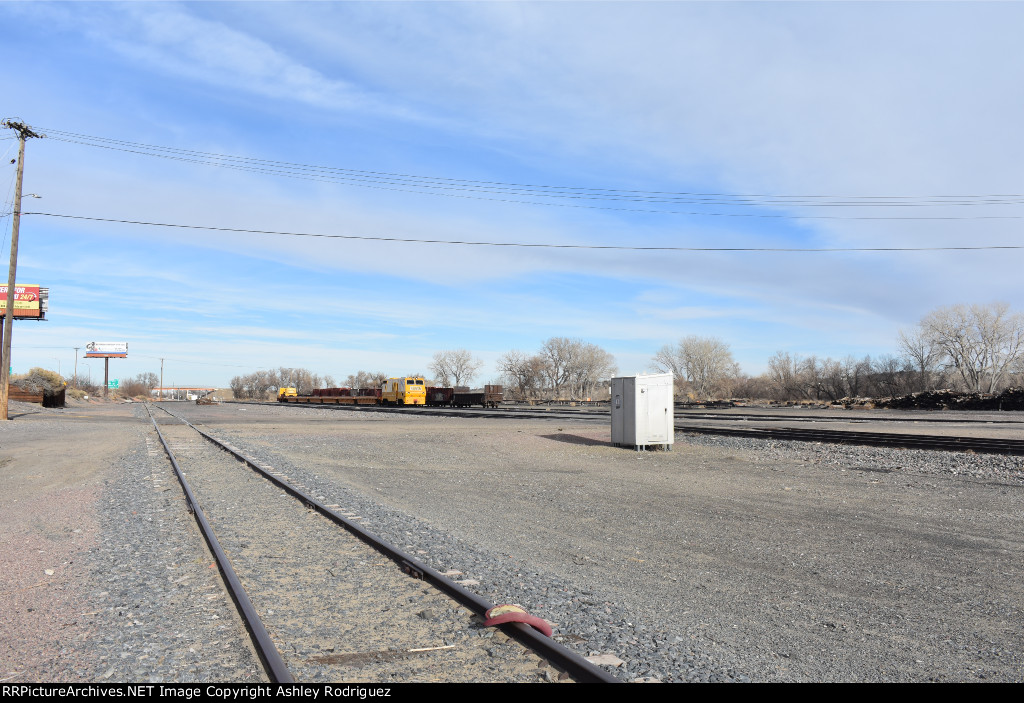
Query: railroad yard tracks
{"type": "Point", "coordinates": [980, 445]}
{"type": "Point", "coordinates": [325, 604]}
{"type": "Point", "coordinates": [718, 424]}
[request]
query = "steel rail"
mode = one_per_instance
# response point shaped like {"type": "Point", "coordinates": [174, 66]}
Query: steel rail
{"type": "Point", "coordinates": [554, 413]}
{"type": "Point", "coordinates": [879, 439]}
{"type": "Point", "coordinates": [600, 412]}
{"type": "Point", "coordinates": [272, 661]}
{"type": "Point", "coordinates": [578, 667]}
{"type": "Point", "coordinates": [756, 417]}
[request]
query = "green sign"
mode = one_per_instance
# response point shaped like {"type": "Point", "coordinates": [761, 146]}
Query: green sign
{"type": "Point", "coordinates": [112, 383]}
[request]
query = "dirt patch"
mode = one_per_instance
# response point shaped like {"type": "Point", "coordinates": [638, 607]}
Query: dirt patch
{"type": "Point", "coordinates": [52, 466]}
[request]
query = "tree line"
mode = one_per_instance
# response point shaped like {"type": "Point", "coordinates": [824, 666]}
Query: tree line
{"type": "Point", "coordinates": [263, 384]}
{"type": "Point", "coordinates": [563, 368]}
{"type": "Point", "coordinates": [973, 348]}
{"type": "Point", "coordinates": [977, 348]}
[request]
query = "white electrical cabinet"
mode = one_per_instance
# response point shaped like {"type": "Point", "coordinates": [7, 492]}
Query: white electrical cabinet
{"type": "Point", "coordinates": [643, 411]}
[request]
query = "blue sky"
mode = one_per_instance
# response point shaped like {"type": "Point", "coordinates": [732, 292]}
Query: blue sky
{"type": "Point", "coordinates": [831, 102]}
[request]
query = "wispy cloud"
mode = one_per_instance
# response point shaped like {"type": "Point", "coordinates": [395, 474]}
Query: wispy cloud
{"type": "Point", "coordinates": [798, 98]}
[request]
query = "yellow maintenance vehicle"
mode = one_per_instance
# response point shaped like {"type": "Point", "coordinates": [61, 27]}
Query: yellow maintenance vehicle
{"type": "Point", "coordinates": [404, 391]}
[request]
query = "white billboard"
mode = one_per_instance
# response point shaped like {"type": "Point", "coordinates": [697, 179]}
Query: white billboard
{"type": "Point", "coordinates": [106, 348]}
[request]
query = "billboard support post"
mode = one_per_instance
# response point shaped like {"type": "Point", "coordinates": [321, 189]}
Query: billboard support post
{"type": "Point", "coordinates": [106, 351]}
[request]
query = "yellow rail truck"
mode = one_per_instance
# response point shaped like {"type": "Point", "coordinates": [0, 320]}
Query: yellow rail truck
{"type": "Point", "coordinates": [404, 391]}
{"type": "Point", "coordinates": [286, 393]}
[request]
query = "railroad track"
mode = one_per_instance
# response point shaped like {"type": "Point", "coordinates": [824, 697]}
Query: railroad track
{"type": "Point", "coordinates": [324, 599]}
{"type": "Point", "coordinates": [530, 413]}
{"type": "Point", "coordinates": [983, 445]}
{"type": "Point", "coordinates": [878, 439]}
{"type": "Point", "coordinates": [931, 418]}
{"type": "Point", "coordinates": [602, 412]}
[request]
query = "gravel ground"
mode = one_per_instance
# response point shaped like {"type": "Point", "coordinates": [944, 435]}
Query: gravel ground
{"type": "Point", "coordinates": [105, 577]}
{"type": "Point", "coordinates": [724, 560]}
{"type": "Point", "coordinates": [335, 608]}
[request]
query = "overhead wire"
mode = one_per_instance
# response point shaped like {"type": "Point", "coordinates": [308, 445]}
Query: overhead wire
{"type": "Point", "coordinates": [553, 194]}
{"type": "Point", "coordinates": [524, 245]}
{"type": "Point", "coordinates": [140, 356]}
{"type": "Point", "coordinates": [197, 363]}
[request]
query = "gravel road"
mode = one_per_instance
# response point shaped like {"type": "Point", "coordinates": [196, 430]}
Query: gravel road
{"type": "Point", "coordinates": [723, 560]}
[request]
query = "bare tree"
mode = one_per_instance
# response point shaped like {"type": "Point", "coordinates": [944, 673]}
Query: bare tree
{"type": "Point", "coordinates": [924, 354]}
{"type": "Point", "coordinates": [574, 368]}
{"type": "Point", "coordinates": [522, 374]}
{"type": "Point", "coordinates": [589, 367]}
{"type": "Point", "coordinates": [753, 386]}
{"type": "Point", "coordinates": [846, 378]}
{"type": "Point", "coordinates": [366, 379]}
{"type": "Point", "coordinates": [784, 375]}
{"type": "Point", "coordinates": [254, 386]}
{"type": "Point", "coordinates": [557, 354]}
{"type": "Point", "coordinates": [302, 380]}
{"type": "Point", "coordinates": [981, 342]}
{"type": "Point", "coordinates": [892, 376]}
{"type": "Point", "coordinates": [793, 377]}
{"type": "Point", "coordinates": [142, 384]}
{"type": "Point", "coordinates": [810, 377]}
{"type": "Point", "coordinates": [705, 363]}
{"type": "Point", "coordinates": [1016, 373]}
{"type": "Point", "coordinates": [455, 367]}
{"type": "Point", "coordinates": [262, 384]}
{"type": "Point", "coordinates": [238, 387]}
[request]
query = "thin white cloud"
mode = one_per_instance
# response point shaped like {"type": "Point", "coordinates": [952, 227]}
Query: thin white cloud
{"type": "Point", "coordinates": [912, 99]}
{"type": "Point", "coordinates": [176, 42]}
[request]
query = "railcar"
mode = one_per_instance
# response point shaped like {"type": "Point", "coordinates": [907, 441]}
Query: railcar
{"type": "Point", "coordinates": [408, 390]}
{"type": "Point", "coordinates": [463, 397]}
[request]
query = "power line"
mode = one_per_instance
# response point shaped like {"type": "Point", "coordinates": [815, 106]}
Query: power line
{"type": "Point", "coordinates": [552, 195]}
{"type": "Point", "coordinates": [145, 356]}
{"type": "Point", "coordinates": [524, 245]}
{"type": "Point", "coordinates": [197, 363]}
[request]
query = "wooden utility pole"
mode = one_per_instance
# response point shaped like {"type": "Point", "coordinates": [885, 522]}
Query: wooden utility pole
{"type": "Point", "coordinates": [24, 132]}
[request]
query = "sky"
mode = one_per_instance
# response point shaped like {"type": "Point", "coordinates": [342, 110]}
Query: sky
{"type": "Point", "coordinates": [663, 130]}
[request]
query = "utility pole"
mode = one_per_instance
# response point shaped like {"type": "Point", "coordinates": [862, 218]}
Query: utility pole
{"type": "Point", "coordinates": [160, 395]}
{"type": "Point", "coordinates": [24, 132]}
{"type": "Point", "coordinates": [76, 366]}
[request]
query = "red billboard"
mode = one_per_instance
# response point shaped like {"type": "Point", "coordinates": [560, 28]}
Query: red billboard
{"type": "Point", "coordinates": [27, 303]}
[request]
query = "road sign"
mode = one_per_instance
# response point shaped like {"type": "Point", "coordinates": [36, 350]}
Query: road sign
{"type": "Point", "coordinates": [112, 383]}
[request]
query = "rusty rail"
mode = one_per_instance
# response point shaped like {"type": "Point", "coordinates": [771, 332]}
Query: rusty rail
{"type": "Point", "coordinates": [981, 445]}
{"type": "Point", "coordinates": [578, 667]}
{"type": "Point", "coordinates": [272, 661]}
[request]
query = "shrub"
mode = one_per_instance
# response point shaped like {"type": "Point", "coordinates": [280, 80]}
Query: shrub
{"type": "Point", "coordinates": [39, 380]}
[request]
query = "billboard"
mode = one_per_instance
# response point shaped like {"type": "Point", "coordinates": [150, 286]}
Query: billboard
{"type": "Point", "coordinates": [100, 350]}
{"type": "Point", "coordinates": [29, 301]}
